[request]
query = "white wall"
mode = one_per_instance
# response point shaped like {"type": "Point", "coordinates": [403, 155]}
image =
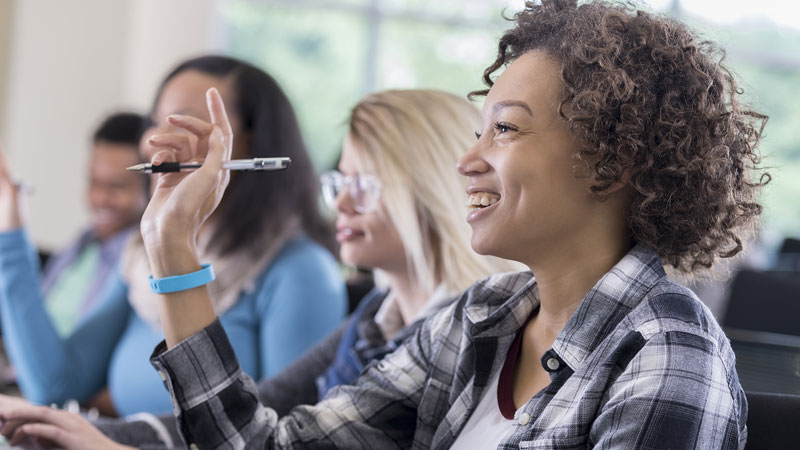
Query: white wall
{"type": "Point", "coordinates": [68, 65]}
{"type": "Point", "coordinates": [5, 36]}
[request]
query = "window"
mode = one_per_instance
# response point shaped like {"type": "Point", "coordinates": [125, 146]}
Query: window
{"type": "Point", "coordinates": [328, 53]}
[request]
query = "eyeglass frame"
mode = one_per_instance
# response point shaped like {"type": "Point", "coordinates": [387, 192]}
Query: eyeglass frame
{"type": "Point", "coordinates": [351, 184]}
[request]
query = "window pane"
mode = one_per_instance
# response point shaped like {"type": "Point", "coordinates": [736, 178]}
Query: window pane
{"type": "Point", "coordinates": [328, 53]}
{"type": "Point", "coordinates": [487, 11]}
{"type": "Point", "coordinates": [765, 60]}
{"type": "Point", "coordinates": [317, 57]}
{"type": "Point", "coordinates": [429, 55]}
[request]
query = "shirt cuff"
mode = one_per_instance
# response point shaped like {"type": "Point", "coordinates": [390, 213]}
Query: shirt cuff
{"type": "Point", "coordinates": [198, 367]}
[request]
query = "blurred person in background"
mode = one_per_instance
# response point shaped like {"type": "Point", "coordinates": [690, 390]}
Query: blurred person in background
{"type": "Point", "coordinates": [278, 287]}
{"type": "Point", "coordinates": [73, 279]}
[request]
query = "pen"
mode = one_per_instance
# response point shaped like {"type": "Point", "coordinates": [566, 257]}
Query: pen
{"type": "Point", "coordinates": [257, 164]}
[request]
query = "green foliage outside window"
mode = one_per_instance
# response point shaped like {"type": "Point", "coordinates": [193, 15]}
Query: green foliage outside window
{"type": "Point", "coordinates": [327, 54]}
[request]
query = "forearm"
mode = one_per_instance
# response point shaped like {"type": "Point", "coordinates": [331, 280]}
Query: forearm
{"type": "Point", "coordinates": [182, 313]}
{"type": "Point", "coordinates": [27, 330]}
{"type": "Point", "coordinates": [212, 402]}
{"type": "Point", "coordinates": [179, 206]}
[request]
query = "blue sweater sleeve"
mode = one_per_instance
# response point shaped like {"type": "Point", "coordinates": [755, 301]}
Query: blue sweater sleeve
{"type": "Point", "coordinates": [301, 300]}
{"type": "Point", "coordinates": [51, 369]}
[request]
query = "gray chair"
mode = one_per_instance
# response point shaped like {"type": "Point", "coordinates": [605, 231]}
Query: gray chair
{"type": "Point", "coordinates": [789, 255]}
{"type": "Point", "coordinates": [763, 323]}
{"type": "Point", "coordinates": [773, 421]}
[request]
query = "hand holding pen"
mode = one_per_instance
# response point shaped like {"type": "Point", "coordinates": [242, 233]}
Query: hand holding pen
{"type": "Point", "coordinates": [178, 208]}
{"type": "Point", "coordinates": [182, 201]}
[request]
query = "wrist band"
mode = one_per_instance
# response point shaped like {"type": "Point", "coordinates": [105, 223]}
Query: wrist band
{"type": "Point", "coordinates": [182, 282]}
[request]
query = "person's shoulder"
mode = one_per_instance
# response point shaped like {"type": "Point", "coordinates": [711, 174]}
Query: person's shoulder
{"type": "Point", "coordinates": [496, 288]}
{"type": "Point", "coordinates": [303, 271]}
{"type": "Point", "coordinates": [306, 266]}
{"type": "Point", "coordinates": [670, 308]}
{"type": "Point", "coordinates": [304, 252]}
{"type": "Point", "coordinates": [483, 298]}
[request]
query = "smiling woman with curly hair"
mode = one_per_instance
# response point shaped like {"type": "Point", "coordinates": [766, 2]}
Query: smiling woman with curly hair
{"type": "Point", "coordinates": [613, 142]}
{"type": "Point", "coordinates": [653, 107]}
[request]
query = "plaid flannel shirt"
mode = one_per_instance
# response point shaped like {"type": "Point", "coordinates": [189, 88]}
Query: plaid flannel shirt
{"type": "Point", "coordinates": [641, 364]}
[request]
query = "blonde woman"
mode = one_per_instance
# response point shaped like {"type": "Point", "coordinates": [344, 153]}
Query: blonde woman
{"type": "Point", "coordinates": [396, 215]}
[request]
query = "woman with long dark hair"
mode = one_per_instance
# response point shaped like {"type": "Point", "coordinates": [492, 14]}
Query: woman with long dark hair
{"type": "Point", "coordinates": [278, 288]}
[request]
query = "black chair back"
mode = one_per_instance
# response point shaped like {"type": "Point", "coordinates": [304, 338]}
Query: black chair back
{"type": "Point", "coordinates": [773, 421]}
{"type": "Point", "coordinates": [764, 301]}
{"type": "Point", "coordinates": [789, 255]}
{"type": "Point", "coordinates": [790, 245]}
{"type": "Point", "coordinates": [763, 323]}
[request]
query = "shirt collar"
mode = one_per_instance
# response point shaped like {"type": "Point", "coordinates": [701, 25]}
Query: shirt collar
{"type": "Point", "coordinates": [499, 305]}
{"type": "Point", "coordinates": [111, 248]}
{"type": "Point", "coordinates": [607, 303]}
{"type": "Point", "coordinates": [388, 316]}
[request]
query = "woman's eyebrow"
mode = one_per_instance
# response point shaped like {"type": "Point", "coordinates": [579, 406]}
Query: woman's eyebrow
{"type": "Point", "coordinates": [509, 103]}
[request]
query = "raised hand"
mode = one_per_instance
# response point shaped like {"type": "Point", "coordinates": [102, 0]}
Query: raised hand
{"type": "Point", "coordinates": [183, 201]}
{"type": "Point", "coordinates": [10, 207]}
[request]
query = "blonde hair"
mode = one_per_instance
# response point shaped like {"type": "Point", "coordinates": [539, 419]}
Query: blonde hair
{"type": "Point", "coordinates": [412, 140]}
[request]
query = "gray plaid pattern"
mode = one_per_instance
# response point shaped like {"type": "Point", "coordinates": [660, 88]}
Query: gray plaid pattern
{"type": "Point", "coordinates": [642, 365]}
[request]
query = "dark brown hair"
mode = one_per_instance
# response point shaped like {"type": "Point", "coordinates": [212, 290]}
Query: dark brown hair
{"type": "Point", "coordinates": [121, 128]}
{"type": "Point", "coordinates": [653, 107]}
{"type": "Point", "coordinates": [257, 203]}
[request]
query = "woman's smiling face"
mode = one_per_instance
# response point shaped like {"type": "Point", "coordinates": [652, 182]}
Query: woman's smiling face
{"type": "Point", "coordinates": [521, 170]}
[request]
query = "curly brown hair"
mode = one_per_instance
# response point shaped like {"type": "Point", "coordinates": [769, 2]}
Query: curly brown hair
{"type": "Point", "coordinates": [653, 107]}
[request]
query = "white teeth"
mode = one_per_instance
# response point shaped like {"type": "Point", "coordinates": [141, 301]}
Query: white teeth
{"type": "Point", "coordinates": [482, 199]}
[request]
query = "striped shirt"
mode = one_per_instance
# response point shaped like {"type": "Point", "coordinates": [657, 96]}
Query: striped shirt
{"type": "Point", "coordinates": [640, 364]}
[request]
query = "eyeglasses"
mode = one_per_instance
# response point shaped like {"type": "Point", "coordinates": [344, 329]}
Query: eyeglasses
{"type": "Point", "coordinates": [364, 190]}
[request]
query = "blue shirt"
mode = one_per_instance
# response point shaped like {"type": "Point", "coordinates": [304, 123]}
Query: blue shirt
{"type": "Point", "coordinates": [299, 299]}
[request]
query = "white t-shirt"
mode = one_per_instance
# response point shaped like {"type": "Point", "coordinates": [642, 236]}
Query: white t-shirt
{"type": "Point", "coordinates": [487, 426]}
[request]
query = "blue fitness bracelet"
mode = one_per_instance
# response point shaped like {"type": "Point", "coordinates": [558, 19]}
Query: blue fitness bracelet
{"type": "Point", "coordinates": [182, 282]}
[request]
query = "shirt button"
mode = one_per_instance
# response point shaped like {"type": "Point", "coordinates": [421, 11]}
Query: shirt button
{"type": "Point", "coordinates": [163, 377]}
{"type": "Point", "coordinates": [192, 446]}
{"type": "Point", "coordinates": [524, 418]}
{"type": "Point", "coordinates": [553, 364]}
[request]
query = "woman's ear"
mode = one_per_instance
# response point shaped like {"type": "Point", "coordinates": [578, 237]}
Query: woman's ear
{"type": "Point", "coordinates": [618, 188]}
{"type": "Point", "coordinates": [618, 185]}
